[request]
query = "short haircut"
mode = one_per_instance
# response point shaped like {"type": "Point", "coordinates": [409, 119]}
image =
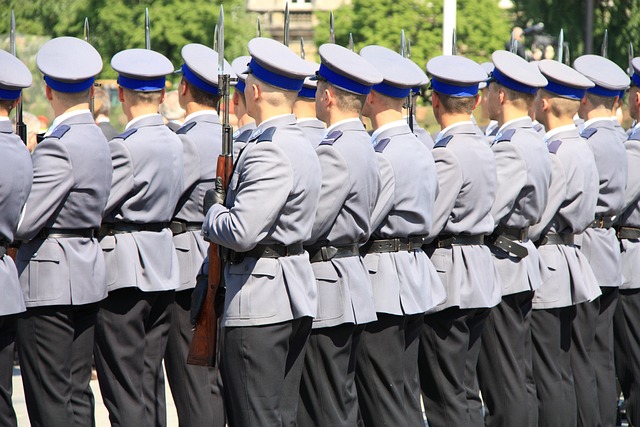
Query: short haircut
{"type": "Point", "coordinates": [201, 97]}
{"type": "Point", "coordinates": [136, 97]}
{"type": "Point", "coordinates": [561, 106]}
{"type": "Point", "coordinates": [70, 99]}
{"type": "Point", "coordinates": [345, 101]}
{"type": "Point", "coordinates": [101, 102]}
{"type": "Point", "coordinates": [519, 99]}
{"type": "Point", "coordinates": [601, 101]}
{"type": "Point", "coordinates": [457, 104]}
{"type": "Point", "coordinates": [272, 95]}
{"type": "Point", "coordinates": [6, 104]}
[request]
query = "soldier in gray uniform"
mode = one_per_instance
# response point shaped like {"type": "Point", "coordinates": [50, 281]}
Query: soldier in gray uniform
{"type": "Point", "coordinates": [405, 283]}
{"type": "Point", "coordinates": [450, 337]}
{"type": "Point", "coordinates": [246, 123]}
{"type": "Point", "coordinates": [617, 106]}
{"type": "Point", "coordinates": [16, 174]}
{"type": "Point", "coordinates": [62, 271]}
{"type": "Point", "coordinates": [569, 211]}
{"type": "Point", "coordinates": [350, 184]}
{"type": "Point", "coordinates": [593, 327]}
{"type": "Point", "coordinates": [195, 389]}
{"type": "Point", "coordinates": [305, 110]}
{"type": "Point", "coordinates": [524, 171]}
{"type": "Point", "coordinates": [420, 132]}
{"type": "Point", "coordinates": [142, 266]}
{"type": "Point", "coordinates": [626, 325]}
{"type": "Point", "coordinates": [270, 208]}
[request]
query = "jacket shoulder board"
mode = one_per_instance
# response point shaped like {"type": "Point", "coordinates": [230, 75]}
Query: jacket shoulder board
{"type": "Point", "coordinates": [244, 136]}
{"type": "Point", "coordinates": [186, 128]}
{"type": "Point", "coordinates": [267, 135]}
{"type": "Point", "coordinates": [382, 144]}
{"type": "Point", "coordinates": [331, 138]}
{"type": "Point", "coordinates": [505, 136]}
{"type": "Point", "coordinates": [554, 146]}
{"type": "Point", "coordinates": [126, 134]}
{"type": "Point", "coordinates": [588, 133]}
{"type": "Point", "coordinates": [59, 131]}
{"type": "Point", "coordinates": [443, 142]}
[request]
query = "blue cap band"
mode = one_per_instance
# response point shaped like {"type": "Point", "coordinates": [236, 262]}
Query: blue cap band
{"type": "Point", "coordinates": [453, 90]}
{"type": "Point", "coordinates": [69, 87]}
{"type": "Point", "coordinates": [193, 79]}
{"type": "Point", "coordinates": [343, 82]}
{"type": "Point", "coordinates": [415, 89]}
{"type": "Point", "coordinates": [636, 79]}
{"type": "Point", "coordinates": [600, 91]}
{"type": "Point", "coordinates": [10, 95]}
{"type": "Point", "coordinates": [241, 86]}
{"type": "Point", "coordinates": [142, 85]}
{"type": "Point", "coordinates": [307, 92]}
{"type": "Point", "coordinates": [275, 79]}
{"type": "Point", "coordinates": [392, 91]}
{"type": "Point", "coordinates": [565, 91]}
{"type": "Point", "coordinates": [508, 82]}
{"type": "Point", "coordinates": [621, 94]}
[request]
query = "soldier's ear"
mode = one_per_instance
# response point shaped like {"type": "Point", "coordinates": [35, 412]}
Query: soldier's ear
{"type": "Point", "coordinates": [48, 93]}
{"type": "Point", "coordinates": [501, 96]}
{"type": "Point", "coordinates": [120, 94]}
{"type": "Point", "coordinates": [546, 105]}
{"type": "Point", "coordinates": [257, 91]}
{"type": "Point", "coordinates": [636, 97]}
{"type": "Point", "coordinates": [162, 93]}
{"type": "Point", "coordinates": [475, 105]}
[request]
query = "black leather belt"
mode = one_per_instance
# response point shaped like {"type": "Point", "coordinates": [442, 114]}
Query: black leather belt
{"type": "Point", "coordinates": [395, 244]}
{"type": "Point", "coordinates": [446, 241]}
{"type": "Point", "coordinates": [179, 227]}
{"type": "Point", "coordinates": [557, 239]}
{"type": "Point", "coordinates": [62, 233]}
{"type": "Point", "coordinates": [629, 233]}
{"type": "Point", "coordinates": [602, 222]}
{"type": "Point", "coordinates": [508, 239]}
{"type": "Point", "coordinates": [130, 227]}
{"type": "Point", "coordinates": [326, 253]}
{"type": "Point", "coordinates": [265, 251]}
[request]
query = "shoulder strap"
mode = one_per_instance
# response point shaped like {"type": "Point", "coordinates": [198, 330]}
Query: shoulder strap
{"type": "Point", "coordinates": [186, 128]}
{"type": "Point", "coordinates": [267, 135]}
{"type": "Point", "coordinates": [331, 138]}
{"type": "Point", "coordinates": [244, 136]}
{"type": "Point", "coordinates": [554, 145]}
{"type": "Point", "coordinates": [126, 134]}
{"type": "Point", "coordinates": [588, 133]}
{"type": "Point", "coordinates": [59, 131]}
{"type": "Point", "coordinates": [443, 142]}
{"type": "Point", "coordinates": [505, 136]}
{"type": "Point", "coordinates": [382, 144]}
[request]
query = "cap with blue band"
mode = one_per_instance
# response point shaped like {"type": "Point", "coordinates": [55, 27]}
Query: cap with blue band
{"type": "Point", "coordinates": [277, 65]}
{"type": "Point", "coordinates": [307, 92]}
{"type": "Point", "coordinates": [454, 90]}
{"type": "Point", "coordinates": [68, 64]}
{"type": "Point", "coordinates": [141, 70]}
{"type": "Point", "coordinates": [609, 79]}
{"type": "Point", "coordinates": [142, 85]}
{"type": "Point", "coordinates": [455, 76]}
{"type": "Point", "coordinates": [347, 70]}
{"type": "Point", "coordinates": [343, 82]}
{"type": "Point", "coordinates": [563, 80]}
{"type": "Point", "coordinates": [200, 67]}
{"type": "Point", "coordinates": [513, 72]}
{"type": "Point", "coordinates": [14, 76]}
{"type": "Point", "coordinates": [192, 78]}
{"type": "Point", "coordinates": [399, 74]}
{"type": "Point", "coordinates": [601, 91]}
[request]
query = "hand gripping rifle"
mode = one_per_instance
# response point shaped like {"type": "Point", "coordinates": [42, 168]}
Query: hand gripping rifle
{"type": "Point", "coordinates": [205, 335]}
{"type": "Point", "coordinates": [21, 127]}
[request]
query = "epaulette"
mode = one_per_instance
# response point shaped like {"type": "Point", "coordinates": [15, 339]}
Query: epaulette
{"type": "Point", "coordinates": [267, 135]}
{"type": "Point", "coordinates": [186, 128]}
{"type": "Point", "coordinates": [505, 136]}
{"type": "Point", "coordinates": [382, 144]}
{"type": "Point", "coordinates": [635, 136]}
{"type": "Point", "coordinates": [59, 131]}
{"type": "Point", "coordinates": [554, 145]}
{"type": "Point", "coordinates": [537, 127]}
{"type": "Point", "coordinates": [244, 136]}
{"type": "Point", "coordinates": [588, 133]}
{"type": "Point", "coordinates": [443, 141]}
{"type": "Point", "coordinates": [126, 134]}
{"type": "Point", "coordinates": [331, 138]}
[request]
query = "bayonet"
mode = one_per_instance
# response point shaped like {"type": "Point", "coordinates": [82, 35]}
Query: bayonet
{"type": "Point", "coordinates": [512, 44]}
{"type": "Point", "coordinates": [403, 44]}
{"type": "Point", "coordinates": [567, 55]}
{"type": "Point", "coordinates": [86, 30]}
{"type": "Point", "coordinates": [215, 38]}
{"type": "Point", "coordinates": [147, 29]}
{"type": "Point", "coordinates": [454, 42]}
{"type": "Point", "coordinates": [332, 33]}
{"type": "Point", "coordinates": [286, 24]}
{"type": "Point", "coordinates": [409, 48]}
{"type": "Point", "coordinates": [351, 46]}
{"type": "Point", "coordinates": [605, 44]}
{"type": "Point", "coordinates": [630, 71]}
{"type": "Point", "coordinates": [409, 100]}
{"type": "Point", "coordinates": [560, 47]}
{"type": "Point", "coordinates": [21, 127]}
{"type": "Point", "coordinates": [258, 28]}
{"type": "Point", "coordinates": [302, 52]}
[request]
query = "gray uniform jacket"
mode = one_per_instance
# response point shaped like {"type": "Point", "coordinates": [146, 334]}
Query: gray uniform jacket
{"type": "Point", "coordinates": [272, 199]}
{"type": "Point", "coordinates": [202, 147]}
{"type": "Point", "coordinates": [313, 129]}
{"type": "Point", "coordinates": [524, 172]}
{"type": "Point", "coordinates": [404, 282]}
{"type": "Point", "coordinates": [71, 182]}
{"type": "Point", "coordinates": [350, 185]}
{"type": "Point", "coordinates": [422, 134]}
{"type": "Point", "coordinates": [16, 175]}
{"type": "Point", "coordinates": [600, 245]}
{"type": "Point", "coordinates": [618, 127]}
{"type": "Point", "coordinates": [570, 209]}
{"type": "Point", "coordinates": [147, 183]}
{"type": "Point", "coordinates": [241, 137]}
{"type": "Point", "coordinates": [468, 185]}
{"type": "Point", "coordinates": [631, 216]}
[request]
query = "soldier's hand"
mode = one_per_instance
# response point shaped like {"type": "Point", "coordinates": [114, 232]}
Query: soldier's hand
{"type": "Point", "coordinates": [214, 195]}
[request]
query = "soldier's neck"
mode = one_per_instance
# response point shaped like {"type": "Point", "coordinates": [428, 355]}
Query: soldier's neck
{"type": "Point", "coordinates": [511, 113]}
{"type": "Point", "coordinates": [381, 118]}
{"type": "Point", "coordinates": [140, 110]}
{"type": "Point", "coordinates": [194, 107]}
{"type": "Point", "coordinates": [304, 109]}
{"type": "Point", "coordinates": [266, 114]}
{"type": "Point", "coordinates": [553, 122]}
{"type": "Point", "coordinates": [598, 112]}
{"type": "Point", "coordinates": [448, 119]}
{"type": "Point", "coordinates": [244, 120]}
{"type": "Point", "coordinates": [59, 109]}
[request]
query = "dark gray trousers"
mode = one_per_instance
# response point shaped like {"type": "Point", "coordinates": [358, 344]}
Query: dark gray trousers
{"type": "Point", "coordinates": [131, 338]}
{"type": "Point", "coordinates": [626, 323]}
{"type": "Point", "coordinates": [503, 361]}
{"type": "Point", "coordinates": [56, 344]}
{"type": "Point", "coordinates": [7, 344]}
{"type": "Point", "coordinates": [261, 368]}
{"type": "Point", "coordinates": [449, 348]}
{"type": "Point", "coordinates": [327, 390]}
{"type": "Point", "coordinates": [387, 371]}
{"type": "Point", "coordinates": [551, 335]}
{"type": "Point", "coordinates": [196, 390]}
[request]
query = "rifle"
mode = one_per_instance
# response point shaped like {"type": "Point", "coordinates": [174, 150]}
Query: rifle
{"type": "Point", "coordinates": [147, 29]}
{"type": "Point", "coordinates": [21, 127]}
{"type": "Point", "coordinates": [332, 33]}
{"type": "Point", "coordinates": [409, 101]}
{"type": "Point", "coordinates": [286, 24]}
{"type": "Point", "coordinates": [202, 350]}
{"type": "Point", "coordinates": [86, 38]}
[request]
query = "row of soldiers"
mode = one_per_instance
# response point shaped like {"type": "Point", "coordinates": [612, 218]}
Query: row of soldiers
{"type": "Point", "coordinates": [363, 273]}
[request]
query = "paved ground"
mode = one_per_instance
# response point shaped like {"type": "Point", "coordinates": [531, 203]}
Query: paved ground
{"type": "Point", "coordinates": [102, 417]}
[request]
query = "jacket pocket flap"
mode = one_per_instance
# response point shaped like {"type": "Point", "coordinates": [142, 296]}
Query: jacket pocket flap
{"type": "Point", "coordinates": [325, 271]}
{"type": "Point", "coordinates": [261, 267]}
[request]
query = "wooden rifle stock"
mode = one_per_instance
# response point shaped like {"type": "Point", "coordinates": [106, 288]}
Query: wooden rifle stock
{"type": "Point", "coordinates": [203, 348]}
